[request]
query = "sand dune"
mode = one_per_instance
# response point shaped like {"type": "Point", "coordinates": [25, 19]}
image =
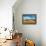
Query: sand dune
{"type": "Point", "coordinates": [29, 22]}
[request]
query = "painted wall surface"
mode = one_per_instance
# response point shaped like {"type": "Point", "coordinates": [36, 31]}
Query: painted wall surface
{"type": "Point", "coordinates": [34, 32]}
{"type": "Point", "coordinates": [6, 13]}
{"type": "Point", "coordinates": [6, 16]}
{"type": "Point", "coordinates": [43, 24]}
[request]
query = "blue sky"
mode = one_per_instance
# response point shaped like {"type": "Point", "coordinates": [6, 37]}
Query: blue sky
{"type": "Point", "coordinates": [29, 17]}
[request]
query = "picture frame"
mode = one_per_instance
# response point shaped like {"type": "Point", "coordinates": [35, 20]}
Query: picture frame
{"type": "Point", "coordinates": [29, 19]}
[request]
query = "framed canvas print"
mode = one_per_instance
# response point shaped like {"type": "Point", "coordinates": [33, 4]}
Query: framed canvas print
{"type": "Point", "coordinates": [29, 19]}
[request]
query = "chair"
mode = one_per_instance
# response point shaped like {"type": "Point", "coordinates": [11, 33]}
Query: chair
{"type": "Point", "coordinates": [29, 43]}
{"type": "Point", "coordinates": [18, 39]}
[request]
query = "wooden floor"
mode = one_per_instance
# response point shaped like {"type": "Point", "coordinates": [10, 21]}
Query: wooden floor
{"type": "Point", "coordinates": [9, 43]}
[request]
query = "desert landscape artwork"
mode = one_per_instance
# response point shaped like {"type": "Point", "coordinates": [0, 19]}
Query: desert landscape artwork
{"type": "Point", "coordinates": [29, 19]}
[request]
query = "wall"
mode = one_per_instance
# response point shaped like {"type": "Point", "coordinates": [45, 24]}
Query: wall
{"type": "Point", "coordinates": [6, 16]}
{"type": "Point", "coordinates": [34, 32]}
{"type": "Point", "coordinates": [43, 24]}
{"type": "Point", "coordinates": [6, 13]}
